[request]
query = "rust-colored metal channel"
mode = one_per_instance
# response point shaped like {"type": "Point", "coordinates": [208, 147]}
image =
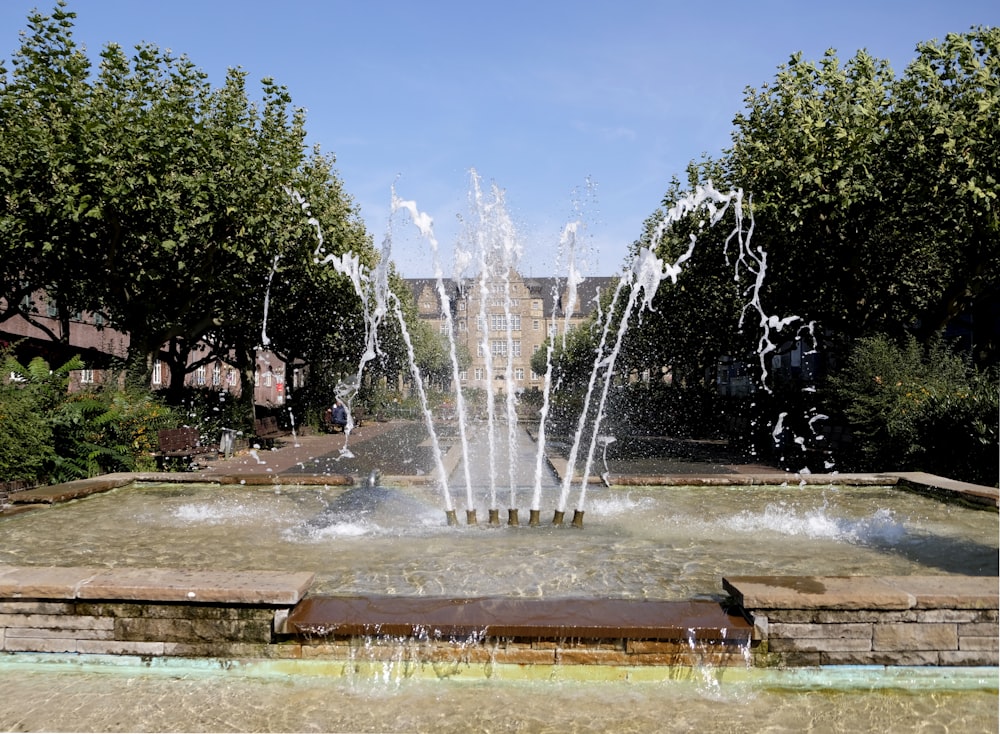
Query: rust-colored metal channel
{"type": "Point", "coordinates": [598, 619]}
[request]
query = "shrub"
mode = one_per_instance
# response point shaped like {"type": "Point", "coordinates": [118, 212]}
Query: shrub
{"type": "Point", "coordinates": [910, 407]}
{"type": "Point", "coordinates": [26, 451]}
{"type": "Point", "coordinates": [53, 436]}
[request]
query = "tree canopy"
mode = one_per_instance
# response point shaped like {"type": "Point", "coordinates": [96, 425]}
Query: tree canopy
{"type": "Point", "coordinates": [875, 199]}
{"type": "Point", "coordinates": [139, 191]}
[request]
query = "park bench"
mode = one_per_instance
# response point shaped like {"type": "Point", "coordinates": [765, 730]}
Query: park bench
{"type": "Point", "coordinates": [267, 430]}
{"type": "Point", "coordinates": [181, 443]}
{"type": "Point", "coordinates": [330, 427]}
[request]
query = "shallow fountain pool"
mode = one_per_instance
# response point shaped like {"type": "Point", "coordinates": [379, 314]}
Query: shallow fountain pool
{"type": "Point", "coordinates": [74, 695]}
{"type": "Point", "coordinates": [656, 543]}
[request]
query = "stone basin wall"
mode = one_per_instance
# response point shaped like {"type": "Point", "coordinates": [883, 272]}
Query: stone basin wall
{"type": "Point", "coordinates": [779, 621]}
{"type": "Point", "coordinates": [806, 621]}
{"type": "Point", "coordinates": [145, 612]}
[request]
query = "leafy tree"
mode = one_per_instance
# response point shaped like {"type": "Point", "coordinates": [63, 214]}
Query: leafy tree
{"type": "Point", "coordinates": [876, 197]}
{"type": "Point", "coordinates": [46, 226]}
{"type": "Point", "coordinates": [942, 183]}
{"type": "Point", "coordinates": [809, 148]}
{"type": "Point", "coordinates": [692, 322]}
{"type": "Point", "coordinates": [192, 195]}
{"type": "Point", "coordinates": [148, 195]}
{"type": "Point", "coordinates": [314, 312]}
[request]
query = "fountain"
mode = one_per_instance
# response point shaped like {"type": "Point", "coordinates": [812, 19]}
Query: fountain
{"type": "Point", "coordinates": [379, 549]}
{"type": "Point", "coordinates": [496, 251]}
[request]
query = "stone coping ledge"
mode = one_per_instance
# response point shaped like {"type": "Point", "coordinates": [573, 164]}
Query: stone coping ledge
{"type": "Point", "coordinates": [78, 488]}
{"type": "Point", "coordinates": [863, 592]}
{"type": "Point", "coordinates": [154, 585]}
{"type": "Point", "coordinates": [973, 495]}
{"type": "Point", "coordinates": [766, 479]}
{"type": "Point", "coordinates": [578, 618]}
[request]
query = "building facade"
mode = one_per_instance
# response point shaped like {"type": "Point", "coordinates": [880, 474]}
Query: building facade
{"type": "Point", "coordinates": [101, 346]}
{"type": "Point", "coordinates": [503, 320]}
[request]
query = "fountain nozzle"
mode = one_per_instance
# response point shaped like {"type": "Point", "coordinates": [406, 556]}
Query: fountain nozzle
{"type": "Point", "coordinates": [577, 518]}
{"type": "Point", "coordinates": [557, 518]}
{"type": "Point", "coordinates": [495, 517]}
{"type": "Point", "coordinates": [470, 517]}
{"type": "Point", "coordinates": [452, 517]}
{"type": "Point", "coordinates": [533, 520]}
{"type": "Point", "coordinates": [512, 516]}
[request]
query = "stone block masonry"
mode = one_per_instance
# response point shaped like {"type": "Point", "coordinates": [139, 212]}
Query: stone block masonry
{"type": "Point", "coordinates": [799, 621]}
{"type": "Point", "coordinates": [145, 612]}
{"type": "Point", "coordinates": [802, 621]}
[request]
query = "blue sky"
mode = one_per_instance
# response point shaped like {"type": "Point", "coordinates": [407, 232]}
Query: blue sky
{"type": "Point", "coordinates": [576, 110]}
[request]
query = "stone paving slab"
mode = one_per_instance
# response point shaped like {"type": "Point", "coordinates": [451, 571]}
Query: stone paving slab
{"type": "Point", "coordinates": [949, 592]}
{"type": "Point", "coordinates": [863, 592]}
{"type": "Point", "coordinates": [42, 582]}
{"type": "Point", "coordinates": [154, 584]}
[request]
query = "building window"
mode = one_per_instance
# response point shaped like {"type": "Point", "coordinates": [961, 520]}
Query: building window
{"type": "Point", "coordinates": [498, 322]}
{"type": "Point", "coordinates": [517, 347]}
{"type": "Point", "coordinates": [463, 375]}
{"type": "Point", "coordinates": [536, 325]}
{"type": "Point", "coordinates": [157, 372]}
{"type": "Point", "coordinates": [515, 322]}
{"type": "Point", "coordinates": [519, 374]}
{"type": "Point", "coordinates": [479, 374]}
{"type": "Point", "coordinates": [51, 309]}
{"type": "Point", "coordinates": [99, 319]}
{"type": "Point", "coordinates": [535, 377]}
{"type": "Point", "coordinates": [498, 347]}
{"type": "Point", "coordinates": [86, 377]}
{"type": "Point", "coordinates": [537, 304]}
{"type": "Point", "coordinates": [231, 376]}
{"type": "Point", "coordinates": [267, 378]}
{"type": "Point", "coordinates": [217, 375]}
{"type": "Point", "coordinates": [200, 374]}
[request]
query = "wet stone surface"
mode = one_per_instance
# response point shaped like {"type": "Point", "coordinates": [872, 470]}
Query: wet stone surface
{"type": "Point", "coordinates": [404, 449]}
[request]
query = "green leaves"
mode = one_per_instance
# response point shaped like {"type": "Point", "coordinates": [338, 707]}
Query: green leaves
{"type": "Point", "coordinates": [150, 195]}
